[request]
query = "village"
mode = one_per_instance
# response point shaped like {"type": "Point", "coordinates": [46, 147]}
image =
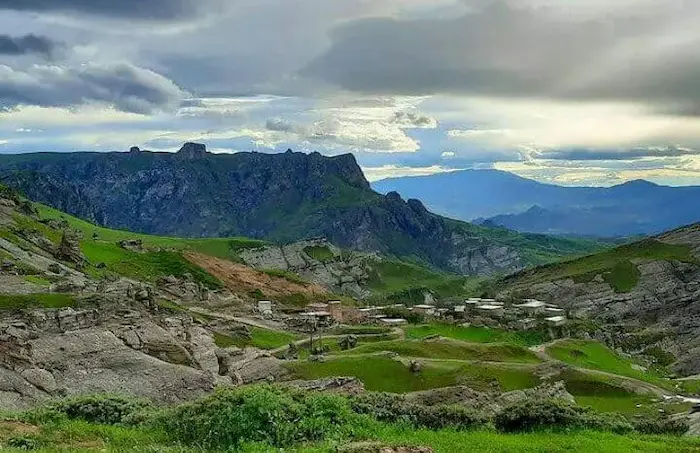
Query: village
{"type": "Point", "coordinates": [523, 315]}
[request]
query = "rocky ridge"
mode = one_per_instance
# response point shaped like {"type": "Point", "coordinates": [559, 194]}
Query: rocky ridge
{"type": "Point", "coordinates": [280, 197]}
{"type": "Point", "coordinates": [661, 311]}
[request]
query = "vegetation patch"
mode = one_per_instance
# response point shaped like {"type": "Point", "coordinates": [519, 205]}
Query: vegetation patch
{"type": "Point", "coordinates": [147, 266]}
{"type": "Point", "coordinates": [259, 338]}
{"type": "Point", "coordinates": [41, 300]}
{"type": "Point", "coordinates": [387, 375]}
{"type": "Point", "coordinates": [407, 283]}
{"type": "Point", "coordinates": [478, 334]}
{"type": "Point", "coordinates": [450, 349]}
{"type": "Point", "coordinates": [287, 275]}
{"type": "Point", "coordinates": [596, 356]}
{"type": "Point", "coordinates": [320, 253]}
{"type": "Point", "coordinates": [270, 415]}
{"type": "Point", "coordinates": [615, 265]}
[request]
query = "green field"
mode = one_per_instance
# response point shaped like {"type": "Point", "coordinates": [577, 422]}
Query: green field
{"type": "Point", "coordinates": [450, 349]}
{"type": "Point", "coordinates": [477, 334]}
{"type": "Point", "coordinates": [404, 282]}
{"type": "Point", "coordinates": [384, 374]}
{"type": "Point", "coordinates": [596, 356]}
{"type": "Point", "coordinates": [260, 338]}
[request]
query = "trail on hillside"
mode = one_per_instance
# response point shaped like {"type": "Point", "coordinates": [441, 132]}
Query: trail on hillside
{"type": "Point", "coordinates": [240, 278]}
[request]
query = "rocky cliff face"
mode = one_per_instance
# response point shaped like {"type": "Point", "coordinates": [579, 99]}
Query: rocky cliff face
{"type": "Point", "coordinates": [661, 311]}
{"type": "Point", "coordinates": [281, 197]}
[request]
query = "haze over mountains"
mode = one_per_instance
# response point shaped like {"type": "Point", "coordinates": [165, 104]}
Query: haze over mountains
{"type": "Point", "coordinates": [493, 197]}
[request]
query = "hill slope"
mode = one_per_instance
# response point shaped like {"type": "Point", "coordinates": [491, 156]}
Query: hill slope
{"type": "Point", "coordinates": [500, 198]}
{"type": "Point", "coordinates": [279, 197]}
{"type": "Point", "coordinates": [643, 297]}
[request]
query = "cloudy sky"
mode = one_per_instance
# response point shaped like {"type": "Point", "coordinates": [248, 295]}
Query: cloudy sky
{"type": "Point", "coordinates": [576, 92]}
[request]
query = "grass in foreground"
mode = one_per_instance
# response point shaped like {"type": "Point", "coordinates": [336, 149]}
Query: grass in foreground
{"type": "Point", "coordinates": [477, 334]}
{"type": "Point", "coordinates": [266, 418]}
{"type": "Point", "coordinates": [447, 441]}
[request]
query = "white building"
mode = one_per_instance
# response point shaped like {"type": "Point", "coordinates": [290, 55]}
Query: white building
{"type": "Point", "coordinates": [493, 311]}
{"type": "Point", "coordinates": [424, 309]}
{"type": "Point", "coordinates": [265, 307]}
{"type": "Point", "coordinates": [532, 307]}
{"type": "Point", "coordinates": [556, 321]}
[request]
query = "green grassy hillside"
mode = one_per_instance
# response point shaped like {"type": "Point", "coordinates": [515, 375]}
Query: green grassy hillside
{"type": "Point", "coordinates": [617, 266]}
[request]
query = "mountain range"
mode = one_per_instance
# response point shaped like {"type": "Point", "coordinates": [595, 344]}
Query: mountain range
{"type": "Point", "coordinates": [498, 198]}
{"type": "Point", "coordinates": [278, 197]}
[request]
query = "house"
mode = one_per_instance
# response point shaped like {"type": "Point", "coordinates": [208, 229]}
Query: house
{"type": "Point", "coordinates": [335, 308]}
{"type": "Point", "coordinates": [551, 311]}
{"type": "Point", "coordinates": [394, 321]}
{"type": "Point", "coordinates": [424, 309]}
{"type": "Point", "coordinates": [319, 306]}
{"type": "Point", "coordinates": [556, 321]}
{"type": "Point", "coordinates": [491, 311]}
{"type": "Point", "coordinates": [265, 307]}
{"type": "Point", "coordinates": [532, 307]}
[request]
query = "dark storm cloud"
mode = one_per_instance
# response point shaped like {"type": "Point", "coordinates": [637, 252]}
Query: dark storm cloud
{"type": "Point", "coordinates": [627, 154]}
{"type": "Point", "coordinates": [139, 9]}
{"type": "Point", "coordinates": [27, 44]}
{"type": "Point", "coordinates": [509, 49]}
{"type": "Point", "coordinates": [123, 86]}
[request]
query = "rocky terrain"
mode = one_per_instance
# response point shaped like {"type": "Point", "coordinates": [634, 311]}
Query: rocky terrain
{"type": "Point", "coordinates": [64, 332]}
{"type": "Point", "coordinates": [280, 197]}
{"type": "Point", "coordinates": [659, 312]}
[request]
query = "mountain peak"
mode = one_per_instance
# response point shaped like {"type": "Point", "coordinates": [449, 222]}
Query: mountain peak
{"type": "Point", "coordinates": [192, 150]}
{"type": "Point", "coordinates": [638, 183]}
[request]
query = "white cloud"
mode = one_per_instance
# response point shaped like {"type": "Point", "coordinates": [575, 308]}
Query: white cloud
{"type": "Point", "coordinates": [394, 171]}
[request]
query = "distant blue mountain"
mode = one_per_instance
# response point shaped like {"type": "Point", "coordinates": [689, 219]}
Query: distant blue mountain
{"type": "Point", "coordinates": [496, 197]}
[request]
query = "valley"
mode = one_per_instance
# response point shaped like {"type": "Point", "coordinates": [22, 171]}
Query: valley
{"type": "Point", "coordinates": [89, 311]}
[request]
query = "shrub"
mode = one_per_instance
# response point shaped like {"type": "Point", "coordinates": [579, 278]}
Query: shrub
{"type": "Point", "coordinates": [661, 425]}
{"type": "Point", "coordinates": [23, 443]}
{"type": "Point", "coordinates": [108, 410]}
{"type": "Point", "coordinates": [531, 415]}
{"type": "Point", "coordinates": [392, 408]}
{"type": "Point", "coordinates": [276, 416]}
{"type": "Point", "coordinates": [447, 416]}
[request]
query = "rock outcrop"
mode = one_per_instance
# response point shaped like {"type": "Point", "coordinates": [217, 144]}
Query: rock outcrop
{"type": "Point", "coordinates": [662, 311]}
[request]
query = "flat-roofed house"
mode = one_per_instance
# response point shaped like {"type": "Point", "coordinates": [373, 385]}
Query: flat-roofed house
{"type": "Point", "coordinates": [556, 321]}
{"type": "Point", "coordinates": [492, 311]}
{"type": "Point", "coordinates": [532, 307]}
{"type": "Point", "coordinates": [424, 309]}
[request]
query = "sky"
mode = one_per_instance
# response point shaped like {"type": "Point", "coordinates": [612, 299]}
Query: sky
{"type": "Point", "coordinates": [572, 92]}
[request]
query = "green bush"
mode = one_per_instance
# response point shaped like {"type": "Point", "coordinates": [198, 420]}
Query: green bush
{"type": "Point", "coordinates": [392, 408]}
{"type": "Point", "coordinates": [272, 415]}
{"type": "Point", "coordinates": [532, 415]}
{"type": "Point", "coordinates": [661, 425]}
{"type": "Point", "coordinates": [108, 410]}
{"type": "Point", "coordinates": [23, 443]}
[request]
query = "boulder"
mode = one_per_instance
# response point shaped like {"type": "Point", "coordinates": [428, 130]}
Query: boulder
{"type": "Point", "coordinates": [203, 349]}
{"type": "Point", "coordinates": [96, 361]}
{"type": "Point", "coordinates": [69, 248]}
{"type": "Point", "coordinates": [133, 245]}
